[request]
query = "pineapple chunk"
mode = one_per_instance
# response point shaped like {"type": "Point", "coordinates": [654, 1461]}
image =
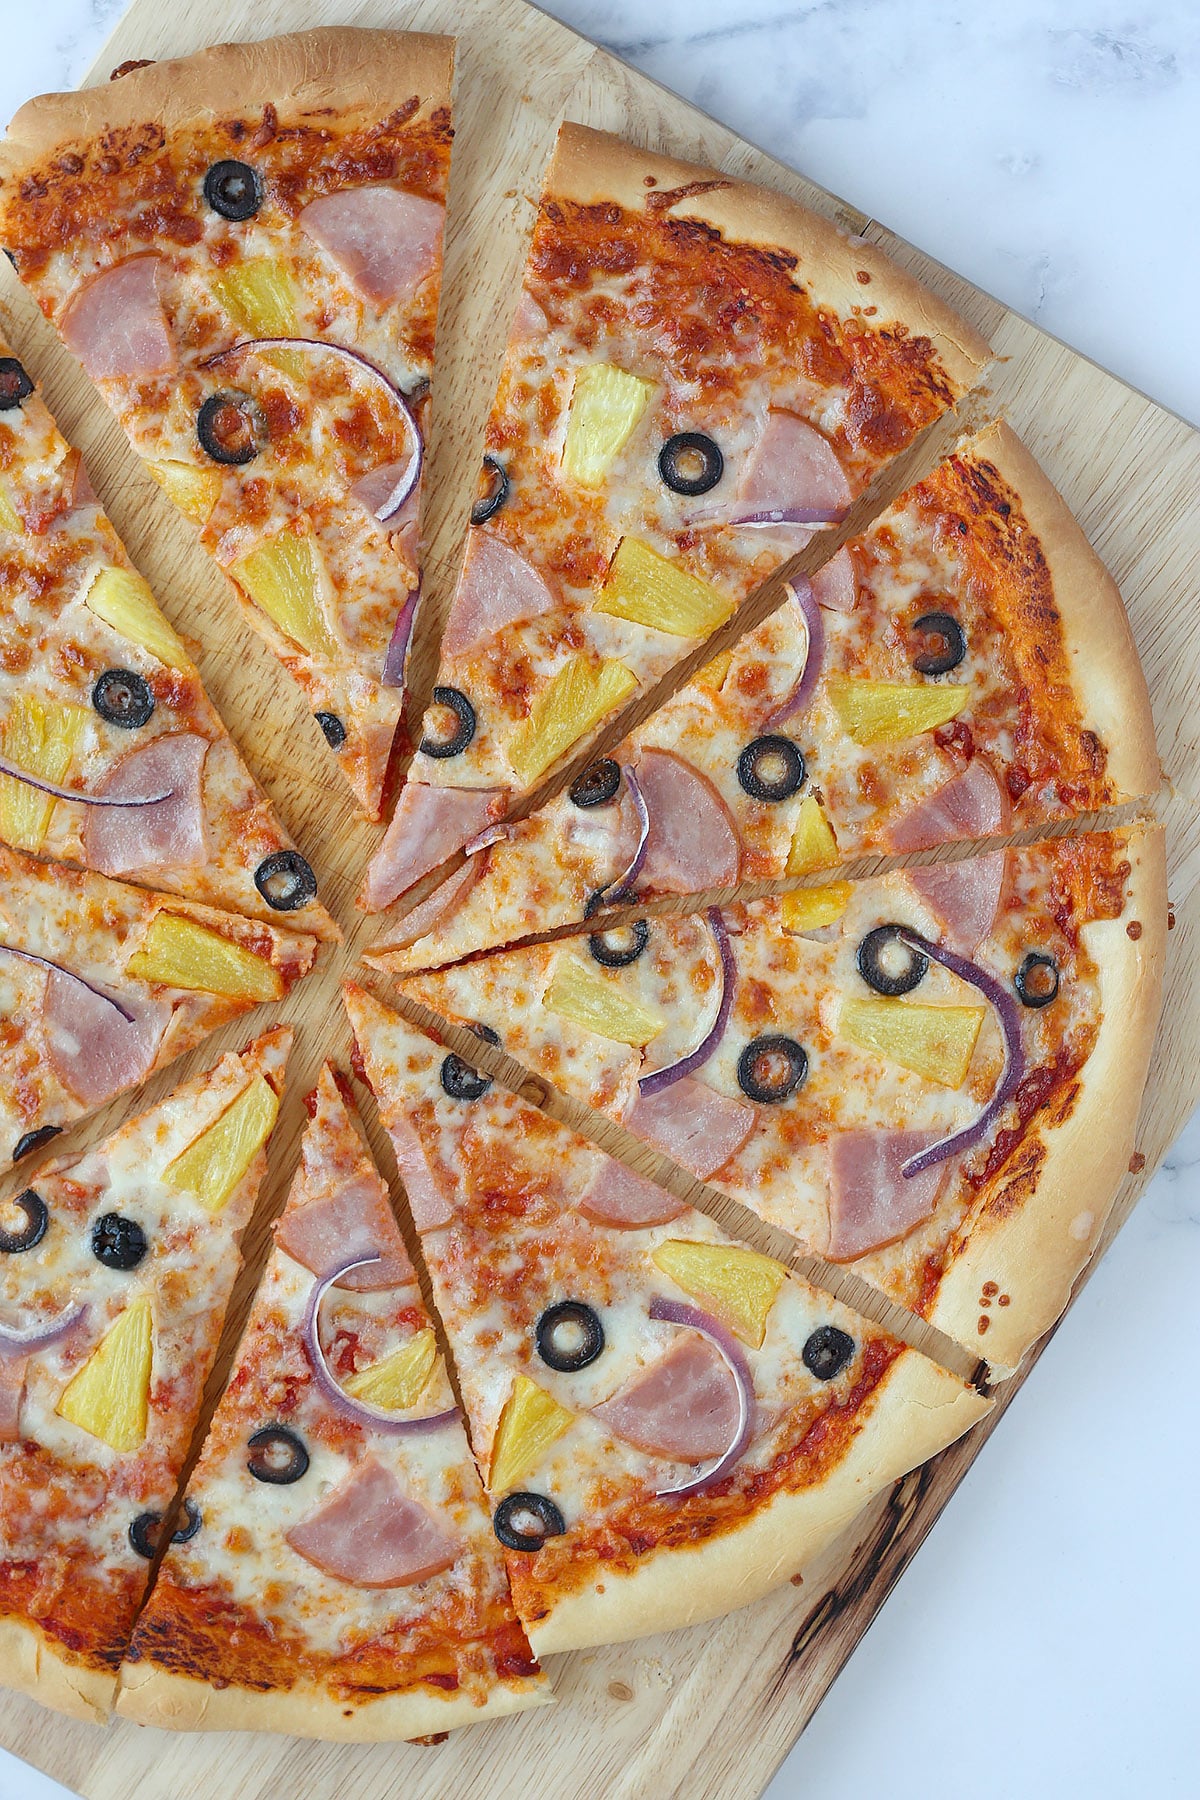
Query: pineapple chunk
{"type": "Point", "coordinates": [214, 1163]}
{"type": "Point", "coordinates": [194, 491]}
{"type": "Point", "coordinates": [605, 408]}
{"type": "Point", "coordinates": [109, 1396]}
{"type": "Point", "coordinates": [43, 737]}
{"type": "Point", "coordinates": [10, 518]}
{"type": "Point", "coordinates": [813, 843]}
{"type": "Point", "coordinates": [580, 695]}
{"type": "Point", "coordinates": [179, 953]}
{"type": "Point", "coordinates": [810, 908]}
{"type": "Point", "coordinates": [584, 996]}
{"type": "Point", "coordinates": [738, 1287]}
{"type": "Point", "coordinates": [258, 296]}
{"type": "Point", "coordinates": [285, 577]}
{"type": "Point", "coordinates": [937, 1042]}
{"type": "Point", "coordinates": [643, 586]}
{"type": "Point", "coordinates": [532, 1420]}
{"type": "Point", "coordinates": [397, 1381]}
{"type": "Point", "coordinates": [887, 712]}
{"type": "Point", "coordinates": [713, 674]}
{"type": "Point", "coordinates": [122, 599]}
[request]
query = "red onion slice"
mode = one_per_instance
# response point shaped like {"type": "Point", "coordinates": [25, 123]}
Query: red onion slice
{"type": "Point", "coordinates": [23, 1339]}
{"type": "Point", "coordinates": [46, 962]}
{"type": "Point", "coordinates": [62, 793]}
{"type": "Point", "coordinates": [676, 1312]}
{"type": "Point", "coordinates": [621, 887]}
{"type": "Point", "coordinates": [802, 593]}
{"type": "Point", "coordinates": [397, 651]}
{"type": "Point", "coordinates": [357, 1410]}
{"type": "Point", "coordinates": [713, 518]}
{"type": "Point", "coordinates": [1007, 1012]}
{"type": "Point", "coordinates": [666, 1077]}
{"type": "Point", "coordinates": [491, 834]}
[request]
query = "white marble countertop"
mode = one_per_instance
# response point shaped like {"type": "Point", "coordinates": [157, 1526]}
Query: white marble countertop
{"type": "Point", "coordinates": [1046, 1640]}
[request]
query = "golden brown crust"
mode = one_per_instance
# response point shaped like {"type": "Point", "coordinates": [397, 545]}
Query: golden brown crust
{"type": "Point", "coordinates": [31, 1664]}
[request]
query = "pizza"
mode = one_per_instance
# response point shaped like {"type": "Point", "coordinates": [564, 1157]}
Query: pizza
{"type": "Point", "coordinates": [115, 1272]}
{"type": "Point", "coordinates": [700, 373]}
{"type": "Point", "coordinates": [115, 759]}
{"type": "Point", "coordinates": [964, 669]}
{"type": "Point", "coordinates": [337, 1575]}
{"type": "Point", "coordinates": [243, 249]}
{"type": "Point", "coordinates": [669, 1423]}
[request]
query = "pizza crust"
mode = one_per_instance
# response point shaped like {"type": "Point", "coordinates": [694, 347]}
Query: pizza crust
{"type": "Point", "coordinates": [34, 1665]}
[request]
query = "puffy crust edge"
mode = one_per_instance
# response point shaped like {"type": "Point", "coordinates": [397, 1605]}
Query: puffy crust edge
{"type": "Point", "coordinates": [590, 166]}
{"type": "Point", "coordinates": [1034, 1255]}
{"type": "Point", "coordinates": [32, 1665]}
{"type": "Point", "coordinates": [920, 1410]}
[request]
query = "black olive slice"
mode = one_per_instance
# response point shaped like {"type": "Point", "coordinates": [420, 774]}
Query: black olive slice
{"type": "Point", "coordinates": [230, 427]}
{"type": "Point", "coordinates": [569, 1336]}
{"type": "Point", "coordinates": [331, 725]}
{"type": "Point", "coordinates": [276, 1456]}
{"type": "Point", "coordinates": [498, 489]}
{"type": "Point", "coordinates": [826, 1352]}
{"type": "Point", "coordinates": [122, 697]}
{"type": "Point", "coordinates": [15, 384]}
{"type": "Point", "coordinates": [143, 1533]}
{"type": "Point", "coordinates": [622, 945]}
{"type": "Point", "coordinates": [285, 880]}
{"type": "Point", "coordinates": [1036, 981]}
{"type": "Point", "coordinates": [945, 644]}
{"type": "Point", "coordinates": [771, 768]}
{"type": "Point", "coordinates": [525, 1521]}
{"type": "Point", "coordinates": [118, 1242]}
{"type": "Point", "coordinates": [183, 1534]}
{"type": "Point", "coordinates": [597, 785]}
{"type": "Point", "coordinates": [690, 463]}
{"type": "Point", "coordinates": [461, 726]}
{"type": "Point", "coordinates": [888, 964]}
{"type": "Point", "coordinates": [460, 1080]}
{"type": "Point", "coordinates": [234, 190]}
{"type": "Point", "coordinates": [36, 1215]}
{"type": "Point", "coordinates": [29, 1141]}
{"type": "Point", "coordinates": [771, 1068]}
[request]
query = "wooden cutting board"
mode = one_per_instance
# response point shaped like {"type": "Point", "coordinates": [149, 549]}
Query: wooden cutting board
{"type": "Point", "coordinates": [711, 1711]}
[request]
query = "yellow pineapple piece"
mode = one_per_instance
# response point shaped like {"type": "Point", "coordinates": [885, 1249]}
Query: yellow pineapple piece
{"type": "Point", "coordinates": [937, 1042]}
{"type": "Point", "coordinates": [397, 1381]}
{"type": "Point", "coordinates": [109, 1396]}
{"type": "Point", "coordinates": [810, 908]}
{"type": "Point", "coordinates": [605, 407]}
{"type": "Point", "coordinates": [813, 844]}
{"type": "Point", "coordinates": [738, 1287]}
{"type": "Point", "coordinates": [286, 578]}
{"type": "Point", "coordinates": [580, 695]}
{"type": "Point", "coordinates": [532, 1420]}
{"type": "Point", "coordinates": [42, 736]}
{"type": "Point", "coordinates": [194, 491]}
{"type": "Point", "coordinates": [214, 1163]}
{"type": "Point", "coordinates": [123, 600]}
{"type": "Point", "coordinates": [179, 953]}
{"type": "Point", "coordinates": [713, 674]}
{"type": "Point", "coordinates": [583, 995]}
{"type": "Point", "coordinates": [886, 712]}
{"type": "Point", "coordinates": [260, 298]}
{"type": "Point", "coordinates": [643, 586]}
{"type": "Point", "coordinates": [10, 518]}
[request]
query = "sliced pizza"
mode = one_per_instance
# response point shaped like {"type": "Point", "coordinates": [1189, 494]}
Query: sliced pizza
{"type": "Point", "coordinates": [336, 1575]}
{"type": "Point", "coordinates": [670, 1424]}
{"type": "Point", "coordinates": [700, 373]}
{"type": "Point", "coordinates": [115, 1272]}
{"type": "Point", "coordinates": [243, 249]}
{"type": "Point", "coordinates": [100, 983]}
{"type": "Point", "coordinates": [932, 1076]}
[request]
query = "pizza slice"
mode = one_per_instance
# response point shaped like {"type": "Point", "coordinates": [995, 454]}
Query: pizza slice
{"type": "Point", "coordinates": [336, 1575]}
{"type": "Point", "coordinates": [101, 983]}
{"type": "Point", "coordinates": [111, 756]}
{"type": "Point", "coordinates": [671, 1424]}
{"type": "Point", "coordinates": [115, 1272]}
{"type": "Point", "coordinates": [962, 669]}
{"type": "Point", "coordinates": [700, 373]}
{"type": "Point", "coordinates": [932, 1076]}
{"type": "Point", "coordinates": [243, 249]}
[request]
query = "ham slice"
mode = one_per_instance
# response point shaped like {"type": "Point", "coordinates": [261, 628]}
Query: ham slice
{"type": "Point", "coordinates": [693, 843]}
{"type": "Point", "coordinates": [695, 1126]}
{"type": "Point", "coordinates": [12, 1392]}
{"type": "Point", "coordinates": [870, 1202]}
{"type": "Point", "coordinates": [529, 320]}
{"type": "Point", "coordinates": [429, 1201]}
{"type": "Point", "coordinates": [972, 805]}
{"type": "Point", "coordinates": [965, 897]}
{"type": "Point", "coordinates": [115, 323]}
{"type": "Point", "coordinates": [385, 241]}
{"type": "Point", "coordinates": [427, 827]}
{"type": "Point", "coordinates": [686, 1405]}
{"type": "Point", "coordinates": [438, 906]}
{"type": "Point", "coordinates": [793, 464]}
{"type": "Point", "coordinates": [122, 840]}
{"type": "Point", "coordinates": [370, 1534]}
{"type": "Point", "coordinates": [616, 1196]}
{"type": "Point", "coordinates": [497, 588]}
{"type": "Point", "coordinates": [92, 1049]}
{"type": "Point", "coordinates": [353, 1221]}
{"type": "Point", "coordinates": [374, 489]}
{"type": "Point", "coordinates": [836, 585]}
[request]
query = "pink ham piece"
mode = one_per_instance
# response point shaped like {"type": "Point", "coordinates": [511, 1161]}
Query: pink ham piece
{"type": "Point", "coordinates": [354, 1220]}
{"type": "Point", "coordinates": [429, 1192]}
{"type": "Point", "coordinates": [92, 1049]}
{"type": "Point", "coordinates": [438, 906]}
{"type": "Point", "coordinates": [123, 840]}
{"type": "Point", "coordinates": [965, 896]}
{"type": "Point", "coordinates": [529, 320]}
{"type": "Point", "coordinates": [972, 805]}
{"type": "Point", "coordinates": [374, 489]}
{"type": "Point", "coordinates": [497, 588]}
{"type": "Point", "coordinates": [12, 1392]}
{"type": "Point", "coordinates": [617, 1196]}
{"type": "Point", "coordinates": [371, 1535]}
{"type": "Point", "coordinates": [83, 494]}
{"type": "Point", "coordinates": [428, 826]}
{"type": "Point", "coordinates": [836, 585]}
{"type": "Point", "coordinates": [689, 1122]}
{"type": "Point", "coordinates": [116, 326]}
{"type": "Point", "coordinates": [793, 465]}
{"type": "Point", "coordinates": [386, 242]}
{"type": "Point", "coordinates": [693, 843]}
{"type": "Point", "coordinates": [686, 1406]}
{"type": "Point", "coordinates": [870, 1202]}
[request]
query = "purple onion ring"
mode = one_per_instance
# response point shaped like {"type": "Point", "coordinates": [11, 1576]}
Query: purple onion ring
{"type": "Point", "coordinates": [62, 793]}
{"type": "Point", "coordinates": [397, 650]}
{"type": "Point", "coordinates": [46, 962]}
{"type": "Point", "coordinates": [621, 887]}
{"type": "Point", "coordinates": [23, 1339]}
{"type": "Point", "coordinates": [802, 593]}
{"type": "Point", "coordinates": [666, 1077]}
{"type": "Point", "coordinates": [676, 1312]}
{"type": "Point", "coordinates": [715, 518]}
{"type": "Point", "coordinates": [483, 840]}
{"type": "Point", "coordinates": [357, 1410]}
